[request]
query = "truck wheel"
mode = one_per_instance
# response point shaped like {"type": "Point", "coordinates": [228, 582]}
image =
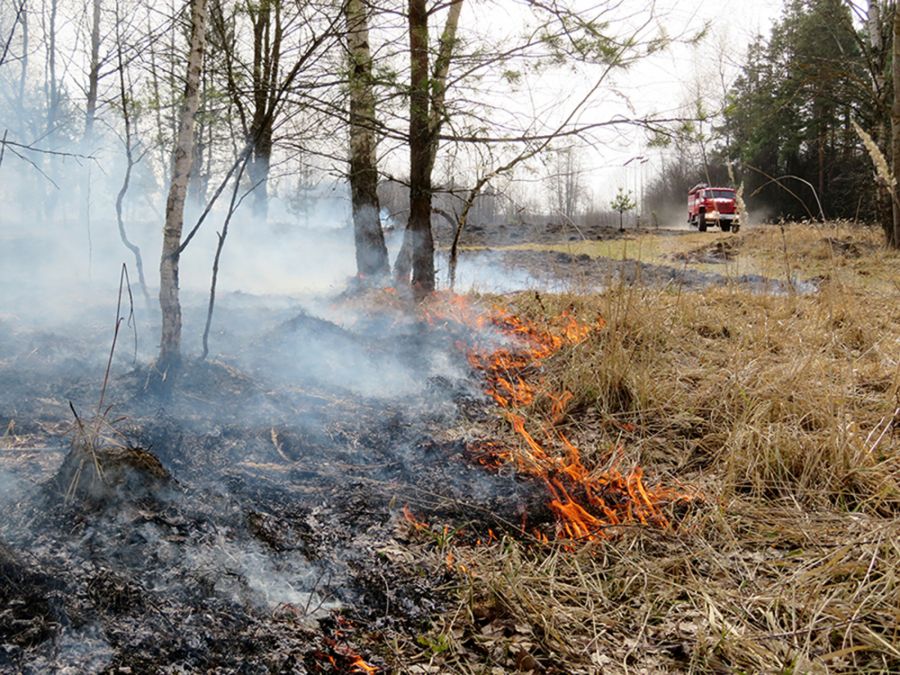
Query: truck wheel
{"type": "Point", "coordinates": [701, 221]}
{"type": "Point", "coordinates": [725, 225]}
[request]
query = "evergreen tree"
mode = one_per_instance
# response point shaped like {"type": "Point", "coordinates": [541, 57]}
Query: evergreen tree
{"type": "Point", "coordinates": [789, 114]}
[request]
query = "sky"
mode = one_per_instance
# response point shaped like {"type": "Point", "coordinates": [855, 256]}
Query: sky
{"type": "Point", "coordinates": [656, 86]}
{"type": "Point", "coordinates": [661, 84]}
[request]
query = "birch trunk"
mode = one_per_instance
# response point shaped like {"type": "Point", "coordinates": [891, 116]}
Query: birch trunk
{"type": "Point", "coordinates": [170, 340]}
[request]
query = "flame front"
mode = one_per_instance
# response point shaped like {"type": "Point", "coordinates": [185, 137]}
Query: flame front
{"type": "Point", "coordinates": [585, 502]}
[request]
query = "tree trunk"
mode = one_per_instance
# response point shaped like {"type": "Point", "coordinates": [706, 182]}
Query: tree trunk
{"type": "Point", "coordinates": [821, 165]}
{"type": "Point", "coordinates": [157, 109]}
{"type": "Point", "coordinates": [89, 116]}
{"type": "Point", "coordinates": [268, 33]}
{"type": "Point", "coordinates": [170, 340]}
{"type": "Point", "coordinates": [23, 66]}
{"type": "Point", "coordinates": [874, 26]}
{"type": "Point", "coordinates": [93, 75]}
{"type": "Point", "coordinates": [53, 96]}
{"type": "Point", "coordinates": [893, 234]}
{"type": "Point", "coordinates": [418, 228]}
{"type": "Point", "coordinates": [52, 85]}
{"type": "Point", "coordinates": [198, 182]}
{"type": "Point", "coordinates": [371, 251]}
{"type": "Point", "coordinates": [258, 167]}
{"type": "Point", "coordinates": [461, 221]}
{"type": "Point", "coordinates": [124, 96]}
{"type": "Point", "coordinates": [426, 116]}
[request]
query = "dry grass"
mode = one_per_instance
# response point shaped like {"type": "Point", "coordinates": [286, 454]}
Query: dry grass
{"type": "Point", "coordinates": [786, 396]}
{"type": "Point", "coordinates": [749, 589]}
{"type": "Point", "coordinates": [839, 253]}
{"type": "Point", "coordinates": [785, 412]}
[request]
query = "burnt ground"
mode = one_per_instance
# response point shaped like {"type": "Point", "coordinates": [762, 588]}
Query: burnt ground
{"type": "Point", "coordinates": [501, 234]}
{"type": "Point", "coordinates": [250, 523]}
{"type": "Point", "coordinates": [596, 273]}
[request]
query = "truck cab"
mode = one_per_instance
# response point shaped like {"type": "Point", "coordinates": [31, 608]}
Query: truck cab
{"type": "Point", "coordinates": [713, 206]}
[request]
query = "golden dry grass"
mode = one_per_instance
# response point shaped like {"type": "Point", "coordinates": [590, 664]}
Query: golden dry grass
{"type": "Point", "coordinates": [784, 411]}
{"type": "Point", "coordinates": [839, 253]}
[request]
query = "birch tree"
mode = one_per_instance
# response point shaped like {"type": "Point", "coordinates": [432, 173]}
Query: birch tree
{"type": "Point", "coordinates": [170, 340]}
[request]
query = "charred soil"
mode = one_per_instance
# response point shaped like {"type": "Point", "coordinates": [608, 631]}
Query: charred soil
{"type": "Point", "coordinates": [254, 520]}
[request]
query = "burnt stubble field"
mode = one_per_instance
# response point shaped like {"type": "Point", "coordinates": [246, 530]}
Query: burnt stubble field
{"type": "Point", "coordinates": [251, 522]}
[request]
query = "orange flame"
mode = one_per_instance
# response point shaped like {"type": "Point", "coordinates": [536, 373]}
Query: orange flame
{"type": "Point", "coordinates": [342, 656]}
{"type": "Point", "coordinates": [585, 502]}
{"type": "Point", "coordinates": [412, 520]}
{"type": "Point", "coordinates": [360, 666]}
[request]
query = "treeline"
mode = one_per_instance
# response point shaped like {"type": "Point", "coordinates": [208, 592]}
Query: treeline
{"type": "Point", "coordinates": [193, 110]}
{"type": "Point", "coordinates": [786, 123]}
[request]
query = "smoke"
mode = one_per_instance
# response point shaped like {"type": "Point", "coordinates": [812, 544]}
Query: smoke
{"type": "Point", "coordinates": [247, 575]}
{"type": "Point", "coordinates": [237, 570]}
{"type": "Point", "coordinates": [311, 407]}
{"type": "Point", "coordinates": [80, 650]}
{"type": "Point", "coordinates": [12, 488]}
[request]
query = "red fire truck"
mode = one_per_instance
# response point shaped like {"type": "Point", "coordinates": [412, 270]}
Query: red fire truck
{"type": "Point", "coordinates": [712, 206]}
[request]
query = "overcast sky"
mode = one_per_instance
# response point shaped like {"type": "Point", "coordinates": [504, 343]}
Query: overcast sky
{"type": "Point", "coordinates": [662, 83]}
{"type": "Point", "coordinates": [658, 85]}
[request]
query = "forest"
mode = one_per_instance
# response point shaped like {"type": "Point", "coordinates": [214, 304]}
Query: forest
{"type": "Point", "coordinates": [786, 123]}
{"type": "Point", "coordinates": [363, 336]}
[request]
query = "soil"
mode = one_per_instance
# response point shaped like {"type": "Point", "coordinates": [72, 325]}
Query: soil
{"type": "Point", "coordinates": [504, 234]}
{"type": "Point", "coordinates": [721, 251]}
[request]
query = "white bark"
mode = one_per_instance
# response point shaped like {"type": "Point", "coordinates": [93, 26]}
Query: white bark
{"type": "Point", "coordinates": [170, 340]}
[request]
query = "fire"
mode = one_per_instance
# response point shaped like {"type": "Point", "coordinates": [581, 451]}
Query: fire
{"type": "Point", "coordinates": [342, 657]}
{"type": "Point", "coordinates": [490, 454]}
{"type": "Point", "coordinates": [360, 666]}
{"type": "Point", "coordinates": [414, 522]}
{"type": "Point", "coordinates": [586, 502]}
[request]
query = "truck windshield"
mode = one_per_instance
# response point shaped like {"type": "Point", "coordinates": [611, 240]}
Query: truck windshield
{"type": "Point", "coordinates": [720, 194]}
